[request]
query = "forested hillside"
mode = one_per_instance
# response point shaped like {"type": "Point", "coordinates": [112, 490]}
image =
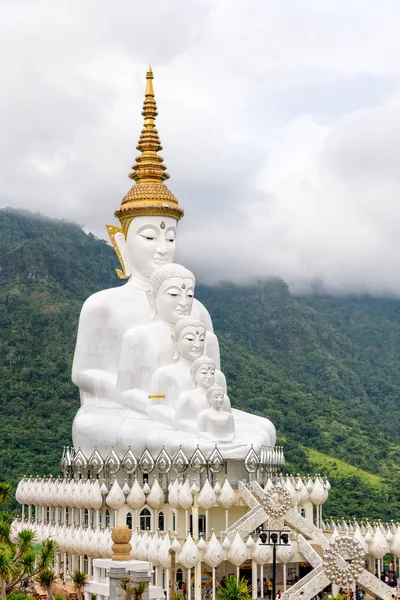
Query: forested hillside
{"type": "Point", "coordinates": [324, 369]}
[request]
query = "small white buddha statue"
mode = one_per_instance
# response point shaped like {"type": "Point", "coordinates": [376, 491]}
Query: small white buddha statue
{"type": "Point", "coordinates": [193, 401]}
{"type": "Point", "coordinates": [215, 423]}
{"type": "Point", "coordinates": [148, 214]}
{"type": "Point", "coordinates": [148, 347]}
{"type": "Point", "coordinates": [169, 381]}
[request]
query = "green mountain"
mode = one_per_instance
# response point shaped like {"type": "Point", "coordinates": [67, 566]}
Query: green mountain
{"type": "Point", "coordinates": [324, 369]}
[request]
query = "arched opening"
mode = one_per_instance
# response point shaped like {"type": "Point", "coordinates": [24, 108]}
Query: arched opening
{"type": "Point", "coordinates": [161, 521]}
{"type": "Point", "coordinates": [303, 512]}
{"type": "Point", "coordinates": [86, 564]}
{"type": "Point", "coordinates": [67, 516]}
{"type": "Point", "coordinates": [129, 520]}
{"type": "Point", "coordinates": [107, 519]}
{"type": "Point", "coordinates": [86, 517]}
{"type": "Point", "coordinates": [145, 520]}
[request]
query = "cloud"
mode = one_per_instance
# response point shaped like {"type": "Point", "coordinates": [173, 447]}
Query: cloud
{"type": "Point", "coordinates": [280, 125]}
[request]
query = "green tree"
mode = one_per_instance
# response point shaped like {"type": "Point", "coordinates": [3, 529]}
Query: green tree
{"type": "Point", "coordinates": [232, 588]}
{"type": "Point", "coordinates": [79, 579]}
{"type": "Point", "coordinates": [5, 492]}
{"type": "Point", "coordinates": [6, 569]}
{"type": "Point", "coordinates": [46, 578]}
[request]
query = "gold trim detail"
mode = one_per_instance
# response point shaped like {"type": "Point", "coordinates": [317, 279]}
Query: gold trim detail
{"type": "Point", "coordinates": [149, 195]}
{"type": "Point", "coordinates": [156, 396]}
{"type": "Point", "coordinates": [112, 230]}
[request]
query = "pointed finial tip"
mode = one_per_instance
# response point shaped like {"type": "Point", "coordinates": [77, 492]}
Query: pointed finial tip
{"type": "Point", "coordinates": [149, 73]}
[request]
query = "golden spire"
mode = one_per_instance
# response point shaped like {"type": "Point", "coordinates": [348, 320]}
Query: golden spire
{"type": "Point", "coordinates": [149, 195]}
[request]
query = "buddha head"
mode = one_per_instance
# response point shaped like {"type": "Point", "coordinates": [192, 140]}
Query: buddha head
{"type": "Point", "coordinates": [149, 243]}
{"type": "Point", "coordinates": [215, 396]}
{"type": "Point", "coordinates": [189, 339]}
{"type": "Point", "coordinates": [203, 372]}
{"type": "Point", "coordinates": [149, 212]}
{"type": "Point", "coordinates": [171, 292]}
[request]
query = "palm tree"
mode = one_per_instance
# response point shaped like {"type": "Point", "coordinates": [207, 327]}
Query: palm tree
{"type": "Point", "coordinates": [5, 492]}
{"type": "Point", "coordinates": [137, 591]}
{"type": "Point", "coordinates": [126, 586]}
{"type": "Point", "coordinates": [140, 589]}
{"type": "Point", "coordinates": [234, 589]}
{"type": "Point", "coordinates": [6, 569]}
{"type": "Point", "coordinates": [45, 579]}
{"type": "Point", "coordinates": [28, 561]}
{"type": "Point", "coordinates": [79, 579]}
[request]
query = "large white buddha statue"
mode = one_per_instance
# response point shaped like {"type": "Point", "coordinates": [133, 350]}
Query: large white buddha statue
{"type": "Point", "coordinates": [137, 344]}
{"type": "Point", "coordinates": [149, 215]}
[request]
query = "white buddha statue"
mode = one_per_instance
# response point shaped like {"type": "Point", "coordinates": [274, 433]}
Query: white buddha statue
{"type": "Point", "coordinates": [109, 365]}
{"type": "Point", "coordinates": [214, 422]}
{"type": "Point", "coordinates": [193, 401]}
{"type": "Point", "coordinates": [170, 381]}
{"type": "Point", "coordinates": [145, 348]}
{"type": "Point", "coordinates": [148, 214]}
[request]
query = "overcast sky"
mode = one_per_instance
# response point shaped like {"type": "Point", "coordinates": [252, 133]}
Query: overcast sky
{"type": "Point", "coordinates": [280, 122]}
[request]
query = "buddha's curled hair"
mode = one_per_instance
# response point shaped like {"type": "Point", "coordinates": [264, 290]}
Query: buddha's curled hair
{"type": "Point", "coordinates": [186, 322]}
{"type": "Point", "coordinates": [167, 272]}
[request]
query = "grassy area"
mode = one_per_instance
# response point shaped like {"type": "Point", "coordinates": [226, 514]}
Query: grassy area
{"type": "Point", "coordinates": [334, 467]}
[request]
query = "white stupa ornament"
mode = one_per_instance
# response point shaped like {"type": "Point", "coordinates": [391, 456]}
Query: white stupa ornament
{"type": "Point", "coordinates": [20, 492]}
{"type": "Point", "coordinates": [136, 497]}
{"type": "Point", "coordinates": [360, 538]}
{"type": "Point", "coordinates": [164, 557]}
{"type": "Point", "coordinates": [237, 553]}
{"type": "Point", "coordinates": [189, 555]}
{"type": "Point", "coordinates": [378, 546]}
{"type": "Point", "coordinates": [269, 485]}
{"type": "Point", "coordinates": [285, 552]}
{"type": "Point", "coordinates": [227, 497]}
{"type": "Point", "coordinates": [156, 496]}
{"type": "Point", "coordinates": [318, 494]}
{"type": "Point", "coordinates": [214, 554]}
{"type": "Point", "coordinates": [173, 494]}
{"type": "Point", "coordinates": [154, 546]}
{"type": "Point", "coordinates": [395, 543]}
{"type": "Point", "coordinates": [201, 544]}
{"type": "Point", "coordinates": [289, 486]}
{"type": "Point", "coordinates": [134, 544]}
{"type": "Point", "coordinates": [96, 499]}
{"type": "Point", "coordinates": [207, 497]}
{"type": "Point", "coordinates": [185, 496]}
{"type": "Point", "coordinates": [302, 492]}
{"type": "Point", "coordinates": [116, 497]}
{"type": "Point", "coordinates": [261, 553]}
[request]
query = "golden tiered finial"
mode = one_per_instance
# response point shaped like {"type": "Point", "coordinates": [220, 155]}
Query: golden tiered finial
{"type": "Point", "coordinates": [149, 195]}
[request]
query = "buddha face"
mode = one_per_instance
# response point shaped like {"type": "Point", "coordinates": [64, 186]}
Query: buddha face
{"type": "Point", "coordinates": [150, 243]}
{"type": "Point", "coordinates": [174, 299]}
{"type": "Point", "coordinates": [205, 376]}
{"type": "Point", "coordinates": [190, 344]}
{"type": "Point", "coordinates": [216, 399]}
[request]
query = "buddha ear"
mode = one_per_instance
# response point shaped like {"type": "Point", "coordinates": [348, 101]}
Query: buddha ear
{"type": "Point", "coordinates": [152, 302]}
{"type": "Point", "coordinates": [118, 241]}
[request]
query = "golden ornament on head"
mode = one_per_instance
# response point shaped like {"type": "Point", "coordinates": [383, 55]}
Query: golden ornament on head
{"type": "Point", "coordinates": [149, 196]}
